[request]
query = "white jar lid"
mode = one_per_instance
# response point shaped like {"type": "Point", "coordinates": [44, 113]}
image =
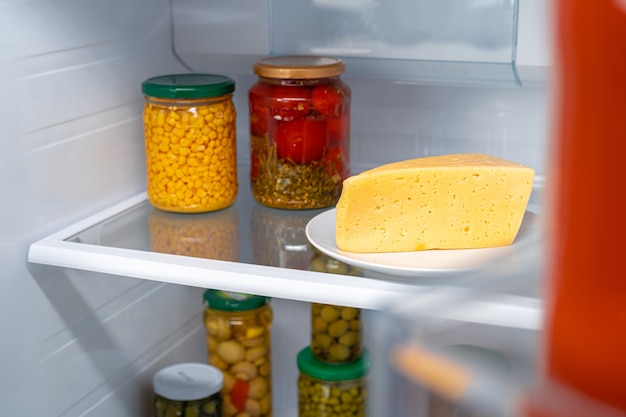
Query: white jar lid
{"type": "Point", "coordinates": [188, 381]}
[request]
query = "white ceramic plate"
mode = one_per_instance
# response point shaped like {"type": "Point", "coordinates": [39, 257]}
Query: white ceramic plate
{"type": "Point", "coordinates": [320, 231]}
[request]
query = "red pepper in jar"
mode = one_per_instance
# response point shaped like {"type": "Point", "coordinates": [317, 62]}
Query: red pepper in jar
{"type": "Point", "coordinates": [299, 132]}
{"type": "Point", "coordinates": [328, 99]}
{"type": "Point", "coordinates": [289, 102]}
{"type": "Point", "coordinates": [302, 141]}
{"type": "Point", "coordinates": [239, 394]}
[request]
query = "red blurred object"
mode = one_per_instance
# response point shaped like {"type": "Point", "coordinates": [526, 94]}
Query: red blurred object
{"type": "Point", "coordinates": [586, 298]}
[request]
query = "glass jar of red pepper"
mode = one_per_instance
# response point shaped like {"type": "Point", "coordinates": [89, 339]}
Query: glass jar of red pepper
{"type": "Point", "coordinates": [299, 131]}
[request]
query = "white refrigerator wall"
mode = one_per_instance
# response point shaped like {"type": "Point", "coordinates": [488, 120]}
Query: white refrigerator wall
{"type": "Point", "coordinates": [85, 344]}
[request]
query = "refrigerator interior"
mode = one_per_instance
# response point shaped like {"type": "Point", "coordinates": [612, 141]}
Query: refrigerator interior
{"type": "Point", "coordinates": [86, 343]}
{"type": "Point", "coordinates": [460, 352]}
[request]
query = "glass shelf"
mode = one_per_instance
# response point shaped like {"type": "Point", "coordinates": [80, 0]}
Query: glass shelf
{"type": "Point", "coordinates": [246, 248]}
{"type": "Point", "coordinates": [449, 42]}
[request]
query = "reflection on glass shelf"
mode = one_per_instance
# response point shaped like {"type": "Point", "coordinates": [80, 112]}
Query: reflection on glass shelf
{"type": "Point", "coordinates": [211, 235]}
{"type": "Point", "coordinates": [277, 237]}
{"type": "Point", "coordinates": [143, 228]}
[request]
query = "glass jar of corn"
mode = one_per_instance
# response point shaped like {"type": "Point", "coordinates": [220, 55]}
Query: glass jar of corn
{"type": "Point", "coordinates": [190, 139]}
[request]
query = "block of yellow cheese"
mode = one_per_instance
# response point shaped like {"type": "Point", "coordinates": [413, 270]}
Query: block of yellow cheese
{"type": "Point", "coordinates": [453, 201]}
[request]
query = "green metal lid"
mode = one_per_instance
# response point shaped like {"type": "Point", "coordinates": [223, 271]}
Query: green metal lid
{"type": "Point", "coordinates": [188, 86]}
{"type": "Point", "coordinates": [308, 364]}
{"type": "Point", "coordinates": [232, 301]}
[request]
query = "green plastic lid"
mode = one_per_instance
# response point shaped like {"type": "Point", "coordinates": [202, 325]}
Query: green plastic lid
{"type": "Point", "coordinates": [308, 364]}
{"type": "Point", "coordinates": [232, 301]}
{"type": "Point", "coordinates": [188, 86]}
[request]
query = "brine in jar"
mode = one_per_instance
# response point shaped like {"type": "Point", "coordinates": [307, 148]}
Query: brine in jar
{"type": "Point", "coordinates": [299, 131]}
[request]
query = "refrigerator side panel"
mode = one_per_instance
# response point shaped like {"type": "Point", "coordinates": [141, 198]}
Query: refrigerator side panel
{"type": "Point", "coordinates": [71, 136]}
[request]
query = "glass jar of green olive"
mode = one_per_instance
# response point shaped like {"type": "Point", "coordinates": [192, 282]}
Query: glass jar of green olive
{"type": "Point", "coordinates": [332, 390]}
{"type": "Point", "coordinates": [335, 330]}
{"type": "Point", "coordinates": [238, 342]}
{"type": "Point", "coordinates": [188, 389]}
{"type": "Point", "coordinates": [335, 333]}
